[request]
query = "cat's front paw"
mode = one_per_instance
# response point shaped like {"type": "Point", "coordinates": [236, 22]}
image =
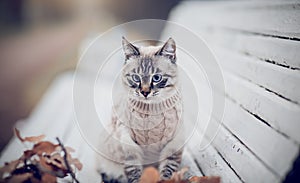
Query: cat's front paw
{"type": "Point", "coordinates": [133, 173]}
{"type": "Point", "coordinates": [133, 166]}
{"type": "Point", "coordinates": [176, 176]}
{"type": "Point", "coordinates": [167, 169]}
{"type": "Point", "coordinates": [166, 174]}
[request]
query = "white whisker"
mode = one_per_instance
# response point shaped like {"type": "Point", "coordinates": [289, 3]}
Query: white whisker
{"type": "Point", "coordinates": [136, 93]}
{"type": "Point", "coordinates": [155, 93]}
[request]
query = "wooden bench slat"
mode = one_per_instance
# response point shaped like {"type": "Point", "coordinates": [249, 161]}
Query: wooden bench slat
{"type": "Point", "coordinates": [282, 51]}
{"type": "Point", "coordinates": [212, 164]}
{"type": "Point", "coordinates": [279, 113]}
{"type": "Point", "coordinates": [223, 141]}
{"type": "Point", "coordinates": [233, 15]}
{"type": "Point", "coordinates": [262, 73]}
{"type": "Point", "coordinates": [189, 161]}
{"type": "Point", "coordinates": [246, 165]}
{"type": "Point", "coordinates": [266, 143]}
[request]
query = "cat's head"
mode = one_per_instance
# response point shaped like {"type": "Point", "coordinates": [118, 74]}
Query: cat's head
{"type": "Point", "coordinates": [150, 73]}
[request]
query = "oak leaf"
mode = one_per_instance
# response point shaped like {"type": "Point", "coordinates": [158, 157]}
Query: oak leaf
{"type": "Point", "coordinates": [33, 139]}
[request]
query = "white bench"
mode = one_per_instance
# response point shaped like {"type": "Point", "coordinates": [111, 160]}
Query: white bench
{"type": "Point", "coordinates": [257, 46]}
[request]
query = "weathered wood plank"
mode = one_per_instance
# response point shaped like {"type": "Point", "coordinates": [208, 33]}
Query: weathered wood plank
{"type": "Point", "coordinates": [211, 163]}
{"type": "Point", "coordinates": [282, 81]}
{"type": "Point", "coordinates": [273, 18]}
{"type": "Point", "coordinates": [279, 51]}
{"type": "Point", "coordinates": [259, 140]}
{"type": "Point", "coordinates": [262, 140]}
{"type": "Point", "coordinates": [245, 164]}
{"type": "Point", "coordinates": [280, 114]}
{"type": "Point", "coordinates": [189, 161]}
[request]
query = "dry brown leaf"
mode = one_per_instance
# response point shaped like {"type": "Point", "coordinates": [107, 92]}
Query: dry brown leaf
{"type": "Point", "coordinates": [33, 139]}
{"type": "Point", "coordinates": [173, 181]}
{"type": "Point", "coordinates": [76, 163]}
{"type": "Point", "coordinates": [44, 166]}
{"type": "Point", "coordinates": [69, 149]}
{"type": "Point", "coordinates": [53, 165]}
{"type": "Point", "coordinates": [205, 179]}
{"type": "Point", "coordinates": [194, 179]}
{"type": "Point", "coordinates": [150, 175]}
{"type": "Point", "coordinates": [44, 147]}
{"type": "Point", "coordinates": [179, 175]}
{"type": "Point", "coordinates": [41, 164]}
{"type": "Point", "coordinates": [47, 178]}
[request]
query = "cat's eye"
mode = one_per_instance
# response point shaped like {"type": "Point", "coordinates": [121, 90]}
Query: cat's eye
{"type": "Point", "coordinates": [136, 78]}
{"type": "Point", "coordinates": [156, 78]}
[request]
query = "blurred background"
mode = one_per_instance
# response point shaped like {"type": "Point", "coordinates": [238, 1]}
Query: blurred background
{"type": "Point", "coordinates": [41, 39]}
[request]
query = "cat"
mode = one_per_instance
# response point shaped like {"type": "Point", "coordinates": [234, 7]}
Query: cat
{"type": "Point", "coordinates": [146, 128]}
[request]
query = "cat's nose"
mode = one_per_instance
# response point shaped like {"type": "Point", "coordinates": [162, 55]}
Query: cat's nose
{"type": "Point", "coordinates": [145, 93]}
{"type": "Point", "coordinates": [145, 90]}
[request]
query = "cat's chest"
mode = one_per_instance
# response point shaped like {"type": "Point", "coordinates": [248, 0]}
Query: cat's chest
{"type": "Point", "coordinates": [155, 130]}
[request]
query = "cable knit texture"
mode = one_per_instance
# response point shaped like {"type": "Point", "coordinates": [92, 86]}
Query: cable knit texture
{"type": "Point", "coordinates": [151, 125]}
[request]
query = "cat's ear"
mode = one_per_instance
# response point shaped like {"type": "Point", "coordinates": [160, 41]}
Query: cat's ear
{"type": "Point", "coordinates": [168, 50]}
{"type": "Point", "coordinates": [129, 49]}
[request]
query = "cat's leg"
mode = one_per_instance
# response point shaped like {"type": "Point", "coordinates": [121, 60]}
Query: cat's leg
{"type": "Point", "coordinates": [123, 157]}
{"type": "Point", "coordinates": [133, 158]}
{"type": "Point", "coordinates": [170, 165]}
{"type": "Point", "coordinates": [171, 156]}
